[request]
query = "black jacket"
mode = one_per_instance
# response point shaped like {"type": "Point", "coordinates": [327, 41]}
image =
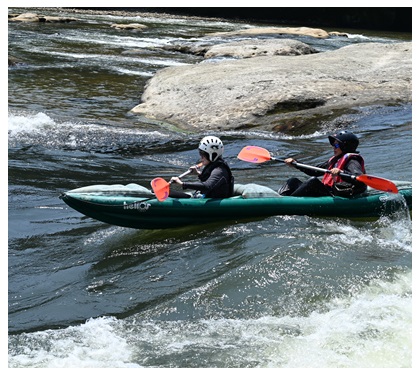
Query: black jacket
{"type": "Point", "coordinates": [216, 180]}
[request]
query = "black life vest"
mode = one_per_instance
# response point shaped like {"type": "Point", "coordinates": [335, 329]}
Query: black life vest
{"type": "Point", "coordinates": [206, 172]}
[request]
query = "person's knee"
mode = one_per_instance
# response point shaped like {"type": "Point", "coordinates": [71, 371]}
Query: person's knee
{"type": "Point", "coordinates": [289, 187]}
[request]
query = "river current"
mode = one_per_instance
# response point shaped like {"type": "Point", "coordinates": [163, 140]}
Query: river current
{"type": "Point", "coordinates": [285, 291]}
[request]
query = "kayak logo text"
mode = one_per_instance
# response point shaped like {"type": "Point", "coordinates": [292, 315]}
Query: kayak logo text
{"type": "Point", "coordinates": [141, 206]}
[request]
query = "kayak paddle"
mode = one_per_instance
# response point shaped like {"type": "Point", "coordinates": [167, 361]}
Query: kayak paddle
{"type": "Point", "coordinates": [161, 188]}
{"type": "Point", "coordinates": [258, 155]}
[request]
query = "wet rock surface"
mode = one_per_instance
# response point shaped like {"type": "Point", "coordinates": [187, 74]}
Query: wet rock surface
{"type": "Point", "coordinates": [279, 93]}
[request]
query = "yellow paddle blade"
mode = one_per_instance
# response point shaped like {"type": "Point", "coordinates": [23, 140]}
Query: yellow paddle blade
{"type": "Point", "coordinates": [254, 154]}
{"type": "Point", "coordinates": [161, 188]}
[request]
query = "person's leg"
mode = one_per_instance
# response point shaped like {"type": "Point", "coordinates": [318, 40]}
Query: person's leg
{"type": "Point", "coordinates": [179, 195]}
{"type": "Point", "coordinates": [289, 187]}
{"type": "Point", "coordinates": [312, 187]}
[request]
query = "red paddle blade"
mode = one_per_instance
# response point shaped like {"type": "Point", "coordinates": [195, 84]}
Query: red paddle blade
{"type": "Point", "coordinates": [378, 183]}
{"type": "Point", "coordinates": [161, 188]}
{"type": "Point", "coordinates": [254, 154]}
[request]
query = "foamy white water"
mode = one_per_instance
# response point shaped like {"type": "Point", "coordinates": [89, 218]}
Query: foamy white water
{"type": "Point", "coordinates": [370, 329]}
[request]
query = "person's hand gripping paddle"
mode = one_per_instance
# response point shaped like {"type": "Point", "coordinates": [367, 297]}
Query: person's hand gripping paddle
{"type": "Point", "coordinates": [161, 188]}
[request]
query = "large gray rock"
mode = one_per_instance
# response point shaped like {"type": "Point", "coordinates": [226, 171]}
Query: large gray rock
{"type": "Point", "coordinates": [279, 92]}
{"type": "Point", "coordinates": [307, 31]}
{"type": "Point", "coordinates": [267, 47]}
{"type": "Point", "coordinates": [33, 17]}
{"type": "Point", "coordinates": [129, 26]}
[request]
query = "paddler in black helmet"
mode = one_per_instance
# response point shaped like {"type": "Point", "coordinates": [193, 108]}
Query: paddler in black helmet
{"type": "Point", "coordinates": [345, 159]}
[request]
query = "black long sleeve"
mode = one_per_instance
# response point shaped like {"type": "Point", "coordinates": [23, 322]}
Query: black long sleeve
{"type": "Point", "coordinates": [216, 185]}
{"type": "Point", "coordinates": [353, 167]}
{"type": "Point", "coordinates": [314, 173]}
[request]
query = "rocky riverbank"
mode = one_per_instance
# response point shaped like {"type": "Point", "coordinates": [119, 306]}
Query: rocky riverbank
{"type": "Point", "coordinates": [265, 81]}
{"type": "Point", "coordinates": [279, 93]}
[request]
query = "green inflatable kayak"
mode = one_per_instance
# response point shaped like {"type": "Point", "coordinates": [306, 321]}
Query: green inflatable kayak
{"type": "Point", "coordinates": [135, 206]}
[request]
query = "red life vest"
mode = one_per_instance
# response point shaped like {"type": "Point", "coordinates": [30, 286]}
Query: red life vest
{"type": "Point", "coordinates": [329, 179]}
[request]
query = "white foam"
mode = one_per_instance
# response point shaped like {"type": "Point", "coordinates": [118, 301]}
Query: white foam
{"type": "Point", "coordinates": [97, 343]}
{"type": "Point", "coordinates": [24, 124]}
{"type": "Point", "coordinates": [369, 328]}
{"type": "Point", "coordinates": [358, 36]}
{"type": "Point", "coordinates": [394, 233]}
{"type": "Point", "coordinates": [132, 72]}
{"type": "Point", "coordinates": [18, 123]}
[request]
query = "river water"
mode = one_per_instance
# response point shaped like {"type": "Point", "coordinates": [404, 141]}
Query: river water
{"type": "Point", "coordinates": [279, 292]}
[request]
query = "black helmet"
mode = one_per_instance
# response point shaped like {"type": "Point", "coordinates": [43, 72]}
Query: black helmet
{"type": "Point", "coordinates": [347, 140]}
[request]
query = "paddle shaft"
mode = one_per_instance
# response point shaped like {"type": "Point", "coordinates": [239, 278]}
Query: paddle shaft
{"type": "Point", "coordinates": [315, 168]}
{"type": "Point", "coordinates": [187, 172]}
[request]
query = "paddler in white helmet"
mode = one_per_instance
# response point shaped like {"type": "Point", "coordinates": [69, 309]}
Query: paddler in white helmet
{"type": "Point", "coordinates": [215, 179]}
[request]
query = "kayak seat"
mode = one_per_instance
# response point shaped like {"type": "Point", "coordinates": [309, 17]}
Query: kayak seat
{"type": "Point", "coordinates": [253, 190]}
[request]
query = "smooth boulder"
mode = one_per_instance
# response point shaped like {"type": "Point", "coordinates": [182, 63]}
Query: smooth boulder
{"type": "Point", "coordinates": [279, 92]}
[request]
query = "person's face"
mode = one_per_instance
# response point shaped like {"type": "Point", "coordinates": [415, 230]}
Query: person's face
{"type": "Point", "coordinates": [336, 149]}
{"type": "Point", "coordinates": [204, 158]}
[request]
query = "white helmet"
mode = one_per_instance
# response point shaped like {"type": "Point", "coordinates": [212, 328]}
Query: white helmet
{"type": "Point", "coordinates": [212, 146]}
